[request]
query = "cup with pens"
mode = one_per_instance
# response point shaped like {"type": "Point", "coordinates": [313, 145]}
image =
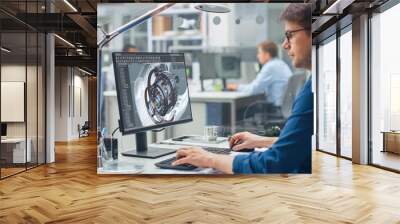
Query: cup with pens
{"type": "Point", "coordinates": [211, 133]}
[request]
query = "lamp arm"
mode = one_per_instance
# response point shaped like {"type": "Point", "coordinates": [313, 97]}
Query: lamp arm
{"type": "Point", "coordinates": [108, 37]}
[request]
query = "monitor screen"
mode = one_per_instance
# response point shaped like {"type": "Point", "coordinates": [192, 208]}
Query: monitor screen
{"type": "Point", "coordinates": [152, 90]}
{"type": "Point", "coordinates": [219, 66]}
{"type": "Point", "coordinates": [230, 67]}
{"type": "Point", "coordinates": [208, 66]}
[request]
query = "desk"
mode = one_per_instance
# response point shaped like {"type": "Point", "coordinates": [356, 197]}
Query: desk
{"type": "Point", "coordinates": [16, 147]}
{"type": "Point", "coordinates": [235, 99]}
{"type": "Point", "coordinates": [198, 102]}
{"type": "Point", "coordinates": [391, 141]}
{"type": "Point", "coordinates": [134, 165]}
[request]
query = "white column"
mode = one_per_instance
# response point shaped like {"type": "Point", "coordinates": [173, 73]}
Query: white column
{"type": "Point", "coordinates": [360, 90]}
{"type": "Point", "coordinates": [50, 100]}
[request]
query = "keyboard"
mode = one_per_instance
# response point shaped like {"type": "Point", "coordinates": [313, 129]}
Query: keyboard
{"type": "Point", "coordinates": [167, 164]}
{"type": "Point", "coordinates": [225, 151]}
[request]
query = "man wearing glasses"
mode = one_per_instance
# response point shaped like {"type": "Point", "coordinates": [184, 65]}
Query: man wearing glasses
{"type": "Point", "coordinates": [291, 153]}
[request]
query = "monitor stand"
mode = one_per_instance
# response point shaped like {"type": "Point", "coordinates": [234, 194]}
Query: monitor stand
{"type": "Point", "coordinates": [224, 84]}
{"type": "Point", "coordinates": [143, 151]}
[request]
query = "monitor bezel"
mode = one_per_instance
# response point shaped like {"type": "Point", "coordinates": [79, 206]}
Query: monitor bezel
{"type": "Point", "coordinates": [126, 131]}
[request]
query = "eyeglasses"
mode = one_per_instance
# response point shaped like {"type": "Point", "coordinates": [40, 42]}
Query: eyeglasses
{"type": "Point", "coordinates": [289, 34]}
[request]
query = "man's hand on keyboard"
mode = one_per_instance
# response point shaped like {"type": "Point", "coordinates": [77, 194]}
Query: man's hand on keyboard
{"type": "Point", "coordinates": [243, 140]}
{"type": "Point", "coordinates": [195, 156]}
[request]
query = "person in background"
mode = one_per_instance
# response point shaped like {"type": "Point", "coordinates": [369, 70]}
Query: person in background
{"type": "Point", "coordinates": [291, 153]}
{"type": "Point", "coordinates": [272, 78]}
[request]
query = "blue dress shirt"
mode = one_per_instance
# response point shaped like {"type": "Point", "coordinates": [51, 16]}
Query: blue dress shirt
{"type": "Point", "coordinates": [271, 80]}
{"type": "Point", "coordinates": [291, 153]}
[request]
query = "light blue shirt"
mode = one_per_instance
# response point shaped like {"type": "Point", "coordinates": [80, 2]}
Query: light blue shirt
{"type": "Point", "coordinates": [271, 80]}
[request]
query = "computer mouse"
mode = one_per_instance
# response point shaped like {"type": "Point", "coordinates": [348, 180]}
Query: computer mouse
{"type": "Point", "coordinates": [241, 150]}
{"type": "Point", "coordinates": [244, 150]}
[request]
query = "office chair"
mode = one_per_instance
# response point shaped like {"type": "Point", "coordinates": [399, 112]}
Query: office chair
{"type": "Point", "coordinates": [295, 84]}
{"type": "Point", "coordinates": [84, 130]}
{"type": "Point", "coordinates": [270, 119]}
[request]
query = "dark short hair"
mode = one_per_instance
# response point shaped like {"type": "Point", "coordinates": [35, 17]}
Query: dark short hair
{"type": "Point", "coordinates": [269, 47]}
{"type": "Point", "coordinates": [299, 13]}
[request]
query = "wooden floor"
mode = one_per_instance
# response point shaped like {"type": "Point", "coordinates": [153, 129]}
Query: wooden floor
{"type": "Point", "coordinates": [5, 172]}
{"type": "Point", "coordinates": [387, 159]}
{"type": "Point", "coordinates": [70, 191]}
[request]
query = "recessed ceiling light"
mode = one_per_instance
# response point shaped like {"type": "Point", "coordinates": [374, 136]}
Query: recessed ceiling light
{"type": "Point", "coordinates": [65, 41]}
{"type": "Point", "coordinates": [70, 5]}
{"type": "Point", "coordinates": [84, 71]}
{"type": "Point", "coordinates": [5, 50]}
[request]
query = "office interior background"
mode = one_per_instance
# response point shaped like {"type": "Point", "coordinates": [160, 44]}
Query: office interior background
{"type": "Point", "coordinates": [49, 85]}
{"type": "Point", "coordinates": [27, 49]}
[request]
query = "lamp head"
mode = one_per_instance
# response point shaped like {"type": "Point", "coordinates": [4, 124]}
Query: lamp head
{"type": "Point", "coordinates": [214, 8]}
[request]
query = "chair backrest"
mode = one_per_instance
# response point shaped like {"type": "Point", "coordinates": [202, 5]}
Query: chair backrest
{"type": "Point", "coordinates": [295, 83]}
{"type": "Point", "coordinates": [86, 125]}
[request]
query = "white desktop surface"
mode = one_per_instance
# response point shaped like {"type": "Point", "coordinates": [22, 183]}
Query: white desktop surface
{"type": "Point", "coordinates": [219, 96]}
{"type": "Point", "coordinates": [204, 95]}
{"type": "Point", "coordinates": [19, 149]}
{"type": "Point", "coordinates": [135, 165]}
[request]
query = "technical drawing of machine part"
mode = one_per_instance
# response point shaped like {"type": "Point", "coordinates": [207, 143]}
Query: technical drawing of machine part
{"type": "Point", "coordinates": [161, 94]}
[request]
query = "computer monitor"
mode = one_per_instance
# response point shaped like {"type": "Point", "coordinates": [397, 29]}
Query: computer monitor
{"type": "Point", "coordinates": [152, 93]}
{"type": "Point", "coordinates": [229, 66]}
{"type": "Point", "coordinates": [219, 66]}
{"type": "Point", "coordinates": [208, 66]}
{"type": "Point", "coordinates": [3, 130]}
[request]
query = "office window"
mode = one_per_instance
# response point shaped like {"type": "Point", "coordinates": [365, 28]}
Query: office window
{"type": "Point", "coordinates": [346, 93]}
{"type": "Point", "coordinates": [385, 89]}
{"type": "Point", "coordinates": [327, 96]}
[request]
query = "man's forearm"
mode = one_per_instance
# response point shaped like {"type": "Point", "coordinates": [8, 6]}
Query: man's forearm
{"type": "Point", "coordinates": [266, 141]}
{"type": "Point", "coordinates": [222, 163]}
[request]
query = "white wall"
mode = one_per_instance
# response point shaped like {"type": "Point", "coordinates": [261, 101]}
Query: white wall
{"type": "Point", "coordinates": [239, 27]}
{"type": "Point", "coordinates": [70, 83]}
{"type": "Point", "coordinates": [61, 103]}
{"type": "Point", "coordinates": [33, 105]}
{"type": "Point", "coordinates": [14, 73]}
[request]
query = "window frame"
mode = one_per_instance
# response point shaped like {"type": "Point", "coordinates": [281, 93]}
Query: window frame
{"type": "Point", "coordinates": [333, 33]}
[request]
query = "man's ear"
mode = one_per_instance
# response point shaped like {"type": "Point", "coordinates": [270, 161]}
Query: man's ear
{"type": "Point", "coordinates": [269, 55]}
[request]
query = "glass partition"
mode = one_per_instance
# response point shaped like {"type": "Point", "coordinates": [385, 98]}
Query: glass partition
{"type": "Point", "coordinates": [41, 96]}
{"type": "Point", "coordinates": [385, 89]}
{"type": "Point", "coordinates": [14, 153]}
{"type": "Point", "coordinates": [327, 96]}
{"type": "Point", "coordinates": [22, 90]}
{"type": "Point", "coordinates": [346, 93]}
{"type": "Point", "coordinates": [31, 98]}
